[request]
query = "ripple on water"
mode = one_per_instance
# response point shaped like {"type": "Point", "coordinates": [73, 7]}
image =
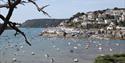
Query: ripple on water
{"type": "Point", "coordinates": [62, 50]}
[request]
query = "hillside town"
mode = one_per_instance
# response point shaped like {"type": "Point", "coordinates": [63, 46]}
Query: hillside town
{"type": "Point", "coordinates": [102, 24]}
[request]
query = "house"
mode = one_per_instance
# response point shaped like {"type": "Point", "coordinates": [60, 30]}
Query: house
{"type": "Point", "coordinates": [122, 18]}
{"type": "Point", "coordinates": [119, 27]}
{"type": "Point", "coordinates": [91, 16]}
{"type": "Point", "coordinates": [107, 21]}
{"type": "Point", "coordinates": [112, 26]}
{"type": "Point", "coordinates": [101, 22]}
{"type": "Point", "coordinates": [64, 23]}
{"type": "Point", "coordinates": [76, 19]}
{"type": "Point", "coordinates": [108, 11]}
{"type": "Point", "coordinates": [61, 24]}
{"type": "Point", "coordinates": [83, 17]}
{"type": "Point", "coordinates": [100, 15]}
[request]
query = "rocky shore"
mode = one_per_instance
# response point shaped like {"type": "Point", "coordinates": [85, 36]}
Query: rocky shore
{"type": "Point", "coordinates": [61, 32]}
{"type": "Point", "coordinates": [109, 34]}
{"type": "Point", "coordinates": [84, 33]}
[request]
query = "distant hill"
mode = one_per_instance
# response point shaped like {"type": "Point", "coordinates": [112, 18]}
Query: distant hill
{"type": "Point", "coordinates": [42, 23]}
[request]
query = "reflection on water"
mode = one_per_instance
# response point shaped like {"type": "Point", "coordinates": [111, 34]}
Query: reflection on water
{"type": "Point", "coordinates": [53, 50]}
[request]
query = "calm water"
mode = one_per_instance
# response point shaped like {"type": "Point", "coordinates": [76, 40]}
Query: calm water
{"type": "Point", "coordinates": [62, 50]}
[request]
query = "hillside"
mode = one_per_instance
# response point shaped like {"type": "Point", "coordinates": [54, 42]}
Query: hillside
{"type": "Point", "coordinates": [97, 19]}
{"type": "Point", "coordinates": [42, 23]}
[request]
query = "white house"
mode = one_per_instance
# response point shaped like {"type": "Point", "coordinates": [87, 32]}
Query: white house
{"type": "Point", "coordinates": [83, 17]}
{"type": "Point", "coordinates": [107, 21]}
{"type": "Point", "coordinates": [122, 18]}
{"type": "Point", "coordinates": [76, 20]}
{"type": "Point", "coordinates": [111, 26]}
{"type": "Point", "coordinates": [121, 28]}
{"type": "Point", "coordinates": [90, 16]}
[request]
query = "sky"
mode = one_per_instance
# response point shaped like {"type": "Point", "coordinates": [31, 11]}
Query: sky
{"type": "Point", "coordinates": [61, 8]}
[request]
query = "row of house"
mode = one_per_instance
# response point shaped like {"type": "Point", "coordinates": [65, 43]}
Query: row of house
{"type": "Point", "coordinates": [100, 17]}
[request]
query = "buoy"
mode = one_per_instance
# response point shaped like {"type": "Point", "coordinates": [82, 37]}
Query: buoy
{"type": "Point", "coordinates": [23, 51]}
{"type": "Point", "coordinates": [69, 43]}
{"type": "Point", "coordinates": [21, 47]}
{"type": "Point", "coordinates": [79, 45]}
{"type": "Point", "coordinates": [75, 47]}
{"type": "Point", "coordinates": [14, 59]}
{"type": "Point", "coordinates": [33, 53]}
{"type": "Point", "coordinates": [117, 44]}
{"type": "Point", "coordinates": [87, 46]}
{"type": "Point", "coordinates": [75, 60]}
{"type": "Point", "coordinates": [54, 46]}
{"type": "Point", "coordinates": [57, 49]}
{"type": "Point", "coordinates": [110, 49]}
{"type": "Point", "coordinates": [100, 44]}
{"type": "Point", "coordinates": [100, 48]}
{"type": "Point", "coordinates": [52, 60]}
{"type": "Point", "coordinates": [46, 55]}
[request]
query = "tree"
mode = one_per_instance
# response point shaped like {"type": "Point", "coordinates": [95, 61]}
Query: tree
{"type": "Point", "coordinates": [115, 58]}
{"type": "Point", "coordinates": [11, 5]}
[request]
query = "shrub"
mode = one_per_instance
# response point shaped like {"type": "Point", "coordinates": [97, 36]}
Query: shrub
{"type": "Point", "coordinates": [116, 58]}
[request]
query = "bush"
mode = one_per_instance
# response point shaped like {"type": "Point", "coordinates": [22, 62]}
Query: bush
{"type": "Point", "coordinates": [121, 23]}
{"type": "Point", "coordinates": [116, 58]}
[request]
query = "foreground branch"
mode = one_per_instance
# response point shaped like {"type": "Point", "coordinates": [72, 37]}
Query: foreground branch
{"type": "Point", "coordinates": [11, 5]}
{"type": "Point", "coordinates": [12, 25]}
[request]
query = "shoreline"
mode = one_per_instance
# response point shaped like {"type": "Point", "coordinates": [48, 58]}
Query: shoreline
{"type": "Point", "coordinates": [84, 33]}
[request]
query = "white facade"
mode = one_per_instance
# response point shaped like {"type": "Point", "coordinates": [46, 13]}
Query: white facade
{"type": "Point", "coordinates": [123, 18]}
{"type": "Point", "coordinates": [90, 16]}
{"type": "Point", "coordinates": [107, 21]}
{"type": "Point", "coordinates": [122, 28]}
{"type": "Point", "coordinates": [75, 20]}
{"type": "Point", "coordinates": [84, 17]}
{"type": "Point", "coordinates": [110, 28]}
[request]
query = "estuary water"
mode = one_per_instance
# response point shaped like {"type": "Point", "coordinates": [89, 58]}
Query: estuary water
{"type": "Point", "coordinates": [13, 49]}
